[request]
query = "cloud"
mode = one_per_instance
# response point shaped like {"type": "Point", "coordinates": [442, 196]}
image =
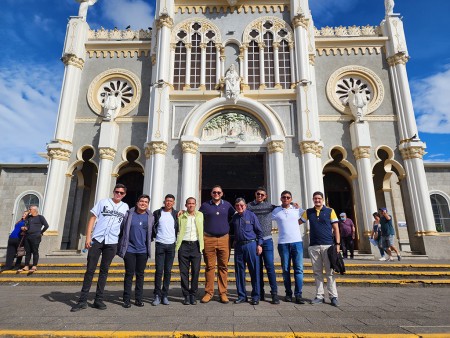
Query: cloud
{"type": "Point", "coordinates": [137, 13]}
{"type": "Point", "coordinates": [325, 10]}
{"type": "Point", "coordinates": [432, 102]}
{"type": "Point", "coordinates": [28, 110]}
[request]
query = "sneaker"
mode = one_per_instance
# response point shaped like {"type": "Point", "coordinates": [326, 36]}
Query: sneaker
{"type": "Point", "coordinates": [98, 304]}
{"type": "Point", "coordinates": [126, 304]}
{"type": "Point", "coordinates": [156, 301]}
{"type": "Point", "coordinates": [334, 302]}
{"type": "Point", "coordinates": [288, 299]}
{"type": "Point", "coordinates": [79, 306]}
{"type": "Point", "coordinates": [206, 298]}
{"type": "Point", "coordinates": [165, 300]}
{"type": "Point", "coordinates": [139, 303]}
{"type": "Point", "coordinates": [391, 258]}
{"type": "Point", "coordinates": [317, 301]}
{"type": "Point", "coordinates": [382, 258]}
{"type": "Point", "coordinates": [186, 301]}
{"type": "Point", "coordinates": [275, 299]}
{"type": "Point", "coordinates": [299, 299]}
{"type": "Point", "coordinates": [399, 257]}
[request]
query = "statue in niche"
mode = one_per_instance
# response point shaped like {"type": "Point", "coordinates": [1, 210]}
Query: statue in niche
{"type": "Point", "coordinates": [232, 84]}
{"type": "Point", "coordinates": [112, 105]}
{"type": "Point", "coordinates": [358, 103]}
{"type": "Point", "coordinates": [389, 7]}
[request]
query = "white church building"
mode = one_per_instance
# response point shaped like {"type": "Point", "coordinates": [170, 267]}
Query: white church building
{"type": "Point", "coordinates": [241, 94]}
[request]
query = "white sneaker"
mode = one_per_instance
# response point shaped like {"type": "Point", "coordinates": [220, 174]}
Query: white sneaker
{"type": "Point", "coordinates": [391, 258]}
{"type": "Point", "coordinates": [382, 258]}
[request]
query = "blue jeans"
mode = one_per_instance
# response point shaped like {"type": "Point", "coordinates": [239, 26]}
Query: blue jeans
{"type": "Point", "coordinates": [266, 258]}
{"type": "Point", "coordinates": [292, 252]}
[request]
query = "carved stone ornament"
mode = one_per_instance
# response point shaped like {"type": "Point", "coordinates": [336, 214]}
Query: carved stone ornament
{"type": "Point", "coordinates": [355, 90]}
{"type": "Point", "coordinates": [59, 154]}
{"type": "Point", "coordinates": [158, 147]}
{"type": "Point", "coordinates": [275, 147]}
{"type": "Point", "coordinates": [107, 153]}
{"type": "Point", "coordinates": [398, 59]}
{"type": "Point", "coordinates": [73, 60]}
{"type": "Point", "coordinates": [124, 85]}
{"type": "Point", "coordinates": [189, 147]}
{"type": "Point", "coordinates": [311, 147]}
{"type": "Point", "coordinates": [232, 126]}
{"type": "Point", "coordinates": [412, 152]}
{"type": "Point", "coordinates": [361, 152]}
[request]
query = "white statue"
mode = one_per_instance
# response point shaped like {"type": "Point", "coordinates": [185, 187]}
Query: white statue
{"type": "Point", "coordinates": [112, 105]}
{"type": "Point", "coordinates": [232, 84]}
{"type": "Point", "coordinates": [358, 103]}
{"type": "Point", "coordinates": [84, 5]}
{"type": "Point", "coordinates": [389, 7]}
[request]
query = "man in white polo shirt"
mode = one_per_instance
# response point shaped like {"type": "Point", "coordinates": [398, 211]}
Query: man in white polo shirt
{"type": "Point", "coordinates": [107, 216]}
{"type": "Point", "coordinates": [165, 230]}
{"type": "Point", "coordinates": [290, 245]}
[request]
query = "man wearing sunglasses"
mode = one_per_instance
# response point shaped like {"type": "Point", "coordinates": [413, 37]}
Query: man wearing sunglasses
{"type": "Point", "coordinates": [290, 245]}
{"type": "Point", "coordinates": [102, 236]}
{"type": "Point", "coordinates": [217, 215]}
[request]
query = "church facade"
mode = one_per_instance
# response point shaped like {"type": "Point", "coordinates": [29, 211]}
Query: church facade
{"type": "Point", "coordinates": [241, 94]}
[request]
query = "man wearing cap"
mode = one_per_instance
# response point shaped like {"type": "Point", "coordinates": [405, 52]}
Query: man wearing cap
{"type": "Point", "coordinates": [388, 234]}
{"type": "Point", "coordinates": [347, 231]}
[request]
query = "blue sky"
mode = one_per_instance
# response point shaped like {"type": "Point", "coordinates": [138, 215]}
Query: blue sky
{"type": "Point", "coordinates": [32, 37]}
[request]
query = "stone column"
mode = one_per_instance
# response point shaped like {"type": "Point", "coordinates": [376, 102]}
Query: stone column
{"type": "Point", "coordinates": [310, 173]}
{"type": "Point", "coordinates": [190, 169]}
{"type": "Point", "coordinates": [262, 76]}
{"type": "Point", "coordinates": [245, 54]}
{"type": "Point", "coordinates": [188, 66]}
{"type": "Point", "coordinates": [276, 61]}
{"type": "Point", "coordinates": [105, 169]}
{"type": "Point", "coordinates": [155, 152]}
{"type": "Point", "coordinates": [218, 72]}
{"type": "Point", "coordinates": [203, 66]}
{"type": "Point", "coordinates": [275, 148]}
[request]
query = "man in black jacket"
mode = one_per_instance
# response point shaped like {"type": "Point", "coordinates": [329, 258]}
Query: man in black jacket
{"type": "Point", "coordinates": [165, 230]}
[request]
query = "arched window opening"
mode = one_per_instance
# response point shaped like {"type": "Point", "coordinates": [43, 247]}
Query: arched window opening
{"type": "Point", "coordinates": [196, 55]}
{"type": "Point", "coordinates": [269, 64]}
{"type": "Point", "coordinates": [441, 212]}
{"type": "Point", "coordinates": [211, 66]}
{"type": "Point", "coordinates": [253, 65]}
{"type": "Point", "coordinates": [180, 66]}
{"type": "Point", "coordinates": [285, 65]}
{"type": "Point", "coordinates": [24, 204]}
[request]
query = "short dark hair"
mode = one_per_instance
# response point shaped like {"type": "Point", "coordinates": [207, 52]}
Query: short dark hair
{"type": "Point", "coordinates": [261, 189]}
{"type": "Point", "coordinates": [143, 196]}
{"type": "Point", "coordinates": [216, 186]}
{"type": "Point", "coordinates": [376, 214]}
{"type": "Point", "coordinates": [318, 193]}
{"type": "Point", "coordinates": [286, 192]}
{"type": "Point", "coordinates": [191, 198]}
{"type": "Point", "coordinates": [169, 196]}
{"type": "Point", "coordinates": [120, 185]}
{"type": "Point", "coordinates": [240, 199]}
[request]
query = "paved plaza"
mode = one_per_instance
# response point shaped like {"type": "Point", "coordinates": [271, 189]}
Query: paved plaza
{"type": "Point", "coordinates": [45, 310]}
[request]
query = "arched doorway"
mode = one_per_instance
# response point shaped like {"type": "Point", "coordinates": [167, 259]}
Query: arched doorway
{"type": "Point", "coordinates": [132, 176]}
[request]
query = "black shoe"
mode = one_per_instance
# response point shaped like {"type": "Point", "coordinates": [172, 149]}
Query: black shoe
{"type": "Point", "coordinates": [98, 304]}
{"type": "Point", "coordinates": [139, 303]}
{"type": "Point", "coordinates": [192, 300]}
{"type": "Point", "coordinates": [16, 268]}
{"type": "Point", "coordinates": [275, 299]}
{"type": "Point", "coordinates": [186, 301]}
{"type": "Point", "coordinates": [79, 306]}
{"type": "Point", "coordinates": [299, 300]}
{"type": "Point", "coordinates": [262, 297]}
{"type": "Point", "coordinates": [240, 301]}
{"type": "Point", "coordinates": [288, 299]}
{"type": "Point", "coordinates": [126, 304]}
{"type": "Point", "coordinates": [254, 302]}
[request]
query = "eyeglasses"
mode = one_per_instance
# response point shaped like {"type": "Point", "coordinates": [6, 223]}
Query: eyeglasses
{"type": "Point", "coordinates": [119, 192]}
{"type": "Point", "coordinates": [239, 205]}
{"type": "Point", "coordinates": [217, 193]}
{"type": "Point", "coordinates": [286, 197]}
{"type": "Point", "coordinates": [259, 194]}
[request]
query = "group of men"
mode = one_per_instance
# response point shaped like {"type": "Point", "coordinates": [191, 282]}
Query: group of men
{"type": "Point", "coordinates": [213, 230]}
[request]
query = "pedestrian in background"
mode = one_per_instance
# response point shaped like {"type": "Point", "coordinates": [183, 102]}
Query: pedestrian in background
{"type": "Point", "coordinates": [347, 231]}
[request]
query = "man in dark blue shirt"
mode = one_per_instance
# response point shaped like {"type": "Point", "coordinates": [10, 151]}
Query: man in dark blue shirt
{"type": "Point", "coordinates": [248, 240]}
{"type": "Point", "coordinates": [217, 213]}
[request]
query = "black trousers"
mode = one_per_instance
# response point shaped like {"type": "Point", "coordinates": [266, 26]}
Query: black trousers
{"type": "Point", "coordinates": [11, 249]}
{"type": "Point", "coordinates": [134, 264]}
{"type": "Point", "coordinates": [164, 256]}
{"type": "Point", "coordinates": [347, 245]}
{"type": "Point", "coordinates": [189, 257]}
{"type": "Point", "coordinates": [32, 247]}
{"type": "Point", "coordinates": [108, 251]}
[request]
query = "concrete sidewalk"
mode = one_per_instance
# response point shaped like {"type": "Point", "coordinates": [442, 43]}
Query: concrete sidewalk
{"type": "Point", "coordinates": [405, 311]}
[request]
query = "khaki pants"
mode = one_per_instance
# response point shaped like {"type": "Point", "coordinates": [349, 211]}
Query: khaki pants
{"type": "Point", "coordinates": [319, 260]}
{"type": "Point", "coordinates": [217, 249]}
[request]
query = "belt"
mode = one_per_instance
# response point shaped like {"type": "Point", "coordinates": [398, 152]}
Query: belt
{"type": "Point", "coordinates": [246, 242]}
{"type": "Point", "coordinates": [189, 242]}
{"type": "Point", "coordinates": [217, 236]}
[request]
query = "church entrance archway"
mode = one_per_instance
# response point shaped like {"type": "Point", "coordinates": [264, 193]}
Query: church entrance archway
{"type": "Point", "coordinates": [238, 174]}
{"type": "Point", "coordinates": [134, 181]}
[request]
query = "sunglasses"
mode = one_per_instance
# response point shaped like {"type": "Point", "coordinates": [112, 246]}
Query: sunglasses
{"type": "Point", "coordinates": [119, 192]}
{"type": "Point", "coordinates": [239, 205]}
{"type": "Point", "coordinates": [217, 193]}
{"type": "Point", "coordinates": [259, 194]}
{"type": "Point", "coordinates": [286, 197]}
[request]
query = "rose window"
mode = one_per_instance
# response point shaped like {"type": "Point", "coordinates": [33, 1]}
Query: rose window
{"type": "Point", "coordinates": [348, 84]}
{"type": "Point", "coordinates": [117, 87]}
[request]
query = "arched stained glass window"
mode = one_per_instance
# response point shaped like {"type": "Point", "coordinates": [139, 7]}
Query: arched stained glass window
{"type": "Point", "coordinates": [441, 212]}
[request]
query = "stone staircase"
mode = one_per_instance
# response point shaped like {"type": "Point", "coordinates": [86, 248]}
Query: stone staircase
{"type": "Point", "coordinates": [367, 273]}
